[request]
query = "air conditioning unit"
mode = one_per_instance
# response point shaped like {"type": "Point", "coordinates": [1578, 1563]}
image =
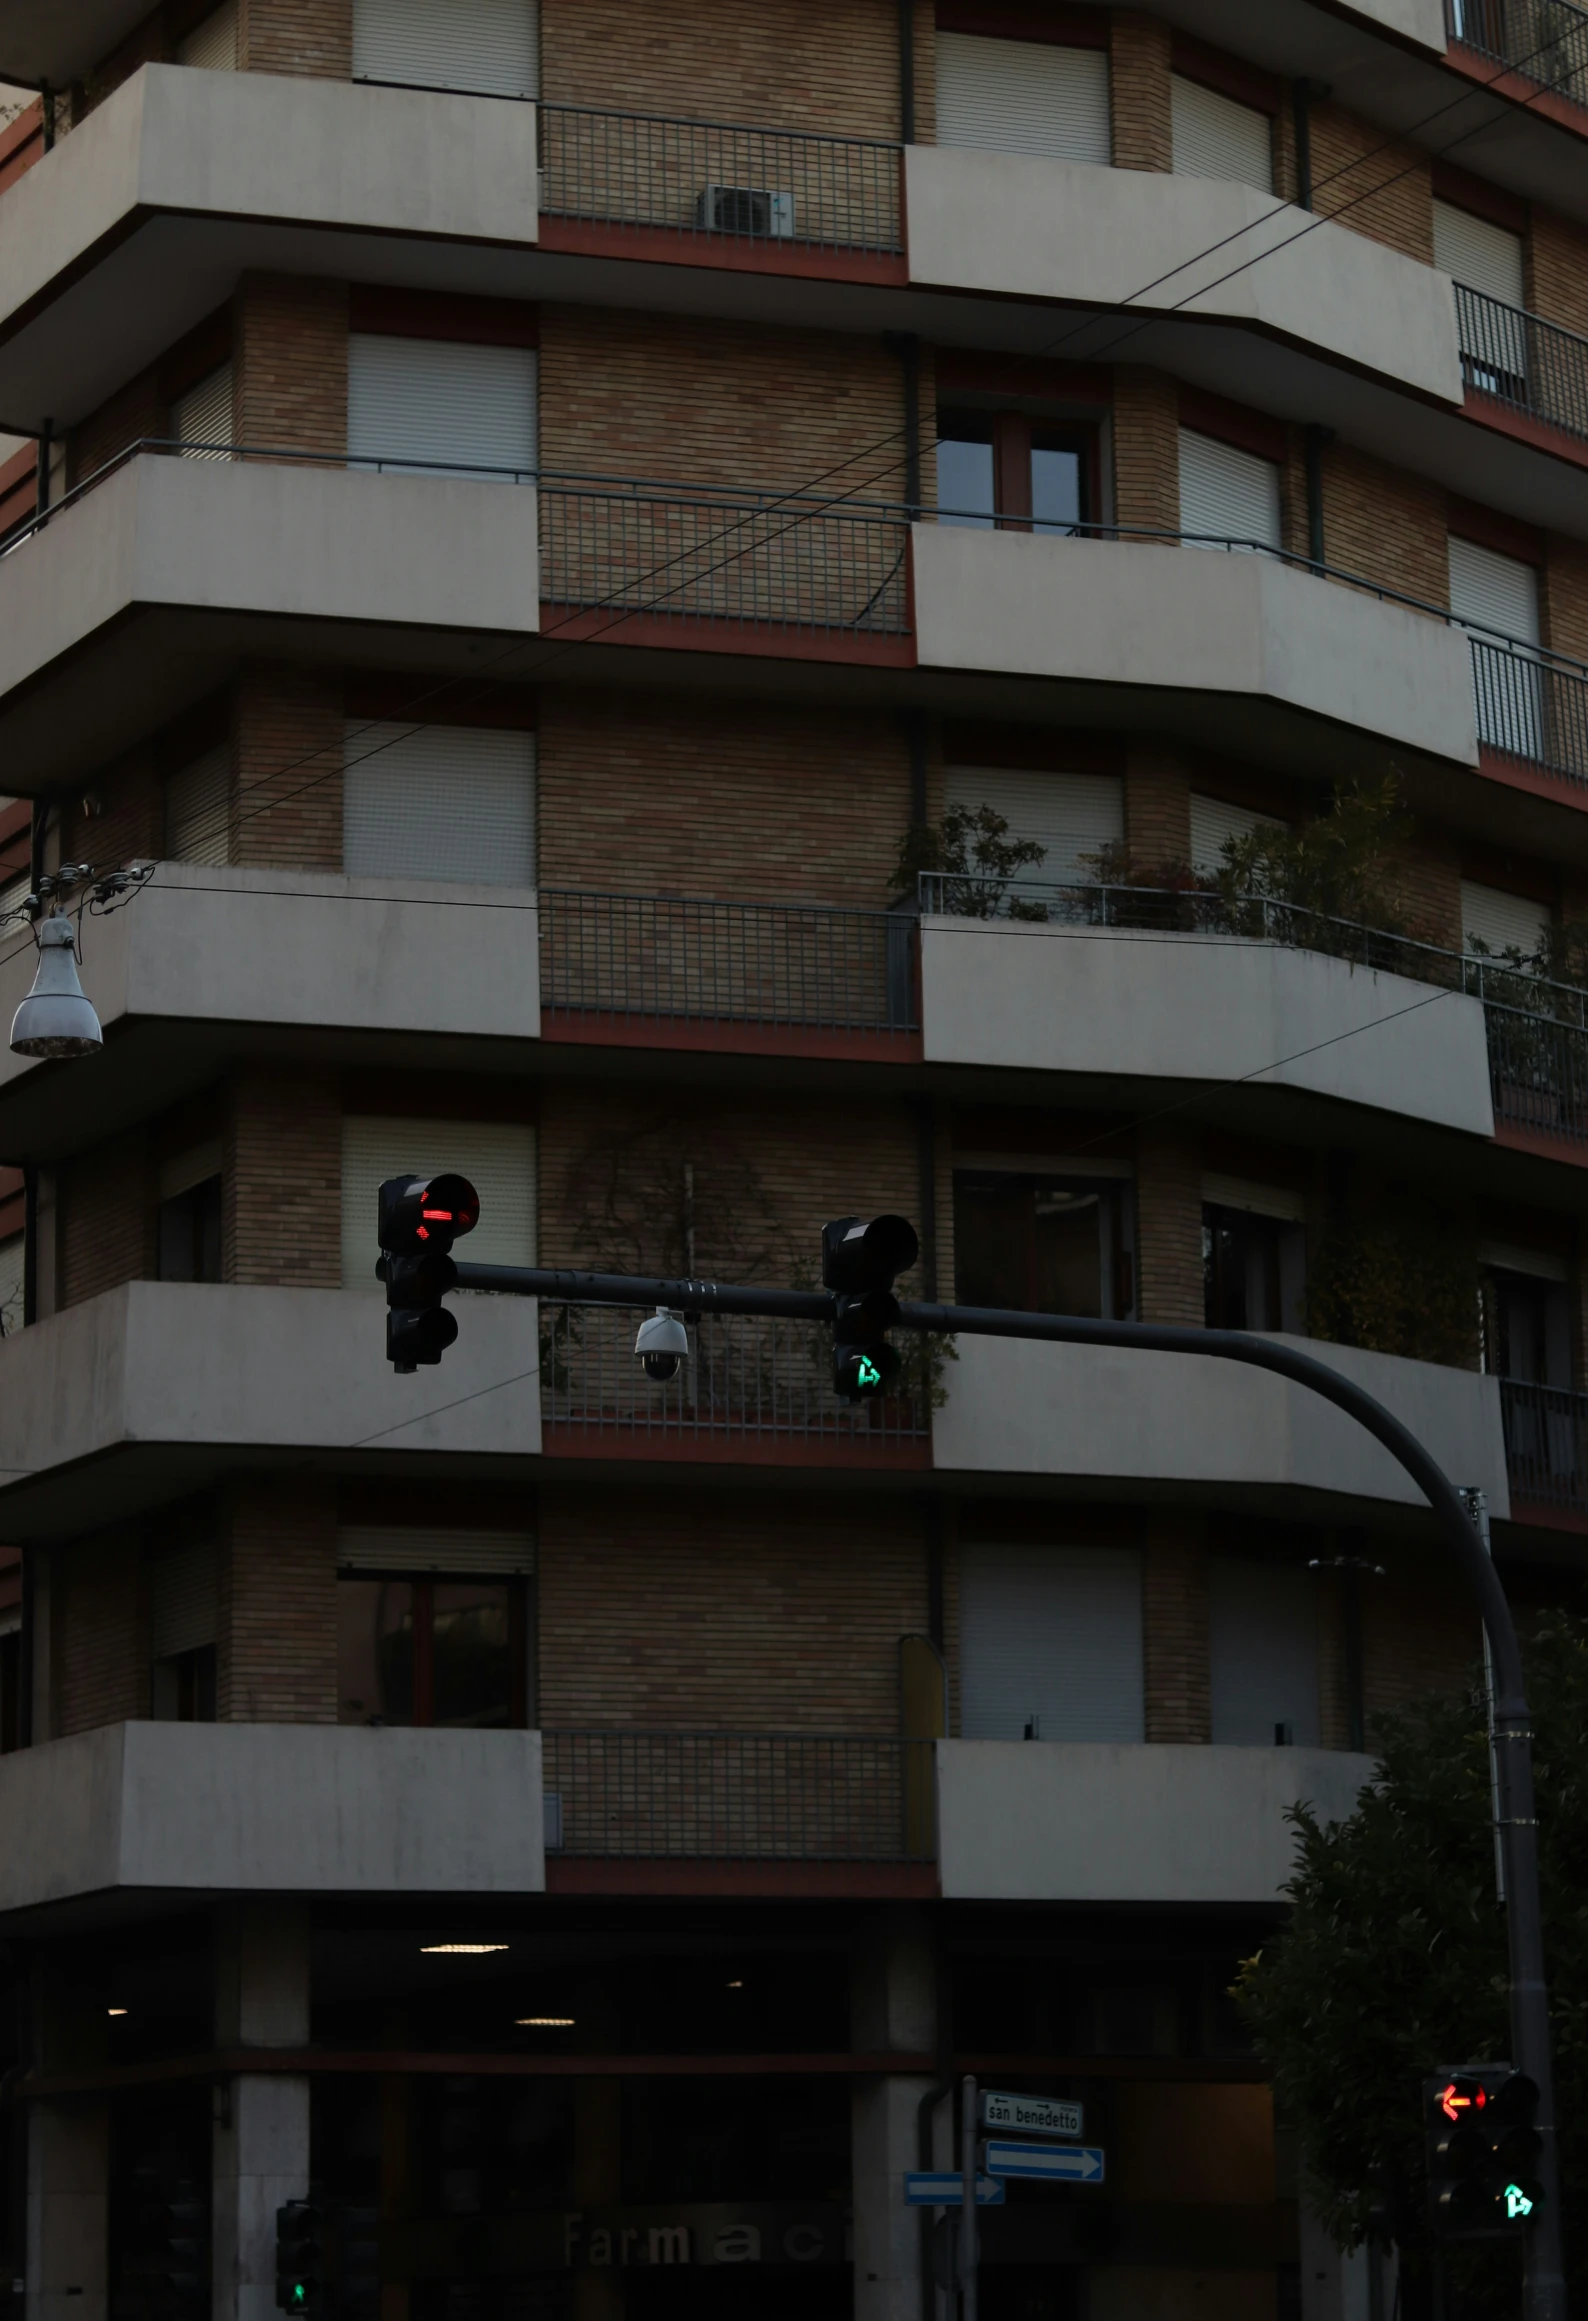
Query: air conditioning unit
{"type": "Point", "coordinates": [746, 209]}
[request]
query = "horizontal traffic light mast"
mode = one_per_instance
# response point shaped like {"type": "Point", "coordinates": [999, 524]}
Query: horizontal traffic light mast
{"type": "Point", "coordinates": [868, 1278]}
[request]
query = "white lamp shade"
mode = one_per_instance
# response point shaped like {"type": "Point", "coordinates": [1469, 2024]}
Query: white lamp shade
{"type": "Point", "coordinates": [55, 1019]}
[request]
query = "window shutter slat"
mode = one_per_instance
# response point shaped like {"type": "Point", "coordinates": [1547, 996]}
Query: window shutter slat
{"type": "Point", "coordinates": [1212, 822]}
{"type": "Point", "coordinates": [422, 402]}
{"type": "Point", "coordinates": [198, 809]}
{"type": "Point", "coordinates": [439, 802]}
{"type": "Point", "coordinates": [204, 416]}
{"type": "Point", "coordinates": [1215, 136]}
{"type": "Point", "coordinates": [1499, 592]}
{"type": "Point", "coordinates": [1051, 1635]}
{"type": "Point", "coordinates": [1023, 96]}
{"type": "Point", "coordinates": [212, 45]}
{"type": "Point", "coordinates": [1501, 921]}
{"type": "Point", "coordinates": [1230, 493]}
{"type": "Point", "coordinates": [1483, 256]}
{"type": "Point", "coordinates": [434, 1548]}
{"type": "Point", "coordinates": [498, 1159]}
{"type": "Point", "coordinates": [184, 1597]}
{"type": "Point", "coordinates": [1263, 1635]}
{"type": "Point", "coordinates": [1074, 816]}
{"type": "Point", "coordinates": [491, 47]}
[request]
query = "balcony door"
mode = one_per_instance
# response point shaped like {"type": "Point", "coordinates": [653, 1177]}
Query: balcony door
{"type": "Point", "coordinates": [1499, 596]}
{"type": "Point", "coordinates": [441, 406]}
{"type": "Point", "coordinates": [484, 47]}
{"type": "Point", "coordinates": [1050, 1643]}
{"type": "Point", "coordinates": [1263, 1650]}
{"type": "Point", "coordinates": [1077, 819]}
{"type": "Point", "coordinates": [1216, 136]}
{"type": "Point", "coordinates": [1485, 261]}
{"type": "Point", "coordinates": [1227, 494]}
{"type": "Point", "coordinates": [439, 802]}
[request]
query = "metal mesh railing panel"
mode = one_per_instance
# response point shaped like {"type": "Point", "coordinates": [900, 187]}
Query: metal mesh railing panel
{"type": "Point", "coordinates": [1546, 1444]}
{"type": "Point", "coordinates": [1546, 40]}
{"type": "Point", "coordinates": [815, 1797]}
{"type": "Point", "coordinates": [720, 181]}
{"type": "Point", "coordinates": [1530, 708]}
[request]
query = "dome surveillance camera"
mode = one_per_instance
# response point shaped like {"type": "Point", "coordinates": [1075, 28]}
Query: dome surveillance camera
{"type": "Point", "coordinates": [662, 1345]}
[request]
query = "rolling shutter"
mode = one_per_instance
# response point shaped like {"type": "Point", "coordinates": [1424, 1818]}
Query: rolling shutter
{"type": "Point", "coordinates": [1483, 256]}
{"type": "Point", "coordinates": [1023, 96]}
{"type": "Point", "coordinates": [1212, 822]}
{"type": "Point", "coordinates": [1051, 1637]}
{"type": "Point", "coordinates": [1229, 493]}
{"type": "Point", "coordinates": [1263, 1636]}
{"type": "Point", "coordinates": [439, 801]}
{"type": "Point", "coordinates": [490, 47]}
{"type": "Point", "coordinates": [1498, 592]}
{"type": "Point", "coordinates": [415, 403]}
{"type": "Point", "coordinates": [431, 1548]}
{"type": "Point", "coordinates": [1073, 815]}
{"type": "Point", "coordinates": [1501, 921]}
{"type": "Point", "coordinates": [1214, 136]}
{"type": "Point", "coordinates": [204, 416]}
{"type": "Point", "coordinates": [184, 1597]}
{"type": "Point", "coordinates": [212, 44]}
{"type": "Point", "coordinates": [498, 1159]}
{"type": "Point", "coordinates": [198, 803]}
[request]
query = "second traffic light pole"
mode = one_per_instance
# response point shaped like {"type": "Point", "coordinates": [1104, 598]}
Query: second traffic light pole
{"type": "Point", "coordinates": [1544, 2290]}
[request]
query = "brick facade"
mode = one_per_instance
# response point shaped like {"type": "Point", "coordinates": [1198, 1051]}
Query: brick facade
{"type": "Point", "coordinates": [1563, 596]}
{"type": "Point", "coordinates": [1416, 1638]}
{"type": "Point", "coordinates": [1146, 449]}
{"type": "Point", "coordinates": [1169, 1227]}
{"type": "Point", "coordinates": [276, 1654]}
{"type": "Point", "coordinates": [98, 1674]}
{"type": "Point", "coordinates": [106, 1218]}
{"type": "Point", "coordinates": [1556, 270]}
{"type": "Point", "coordinates": [291, 363]}
{"type": "Point", "coordinates": [282, 1214]}
{"type": "Point", "coordinates": [1175, 1630]}
{"type": "Point", "coordinates": [1158, 789]}
{"type": "Point", "coordinates": [287, 801]}
{"type": "Point", "coordinates": [1388, 526]}
{"type": "Point", "coordinates": [1371, 183]}
{"type": "Point", "coordinates": [296, 36]}
{"type": "Point", "coordinates": [1138, 63]}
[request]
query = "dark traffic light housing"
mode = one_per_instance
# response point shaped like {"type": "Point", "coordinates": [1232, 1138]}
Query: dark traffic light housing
{"type": "Point", "coordinates": [300, 2257]}
{"type": "Point", "coordinates": [420, 1218]}
{"type": "Point", "coordinates": [861, 1260]}
{"type": "Point", "coordinates": [1483, 2150]}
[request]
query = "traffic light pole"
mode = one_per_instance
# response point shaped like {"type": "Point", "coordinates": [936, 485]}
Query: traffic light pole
{"type": "Point", "coordinates": [1544, 2286]}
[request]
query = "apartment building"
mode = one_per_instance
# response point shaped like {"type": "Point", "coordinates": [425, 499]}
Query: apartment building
{"type": "Point", "coordinates": [559, 529]}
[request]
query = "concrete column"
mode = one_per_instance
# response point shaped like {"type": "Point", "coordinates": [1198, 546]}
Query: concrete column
{"type": "Point", "coordinates": [68, 2160]}
{"type": "Point", "coordinates": [1358, 2287]}
{"type": "Point", "coordinates": [261, 2139]}
{"type": "Point", "coordinates": [893, 2005]}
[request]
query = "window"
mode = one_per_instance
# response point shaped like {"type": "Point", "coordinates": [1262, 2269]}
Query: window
{"type": "Point", "coordinates": [198, 804]}
{"type": "Point", "coordinates": [418, 404]}
{"type": "Point", "coordinates": [1227, 493]}
{"type": "Point", "coordinates": [1253, 1270]}
{"type": "Point", "coordinates": [190, 1216]}
{"type": "Point", "coordinates": [183, 1619]}
{"type": "Point", "coordinates": [1000, 469]}
{"type": "Point", "coordinates": [1213, 823]}
{"type": "Point", "coordinates": [204, 417]}
{"type": "Point", "coordinates": [212, 44]}
{"type": "Point", "coordinates": [1074, 818]}
{"type": "Point", "coordinates": [1044, 1244]}
{"type": "Point", "coordinates": [1494, 591]}
{"type": "Point", "coordinates": [1494, 921]}
{"type": "Point", "coordinates": [1263, 1648]}
{"type": "Point", "coordinates": [1500, 593]}
{"type": "Point", "coordinates": [1050, 1643]}
{"type": "Point", "coordinates": [439, 802]}
{"type": "Point", "coordinates": [1215, 136]}
{"type": "Point", "coordinates": [1526, 1318]}
{"type": "Point", "coordinates": [1484, 257]}
{"type": "Point", "coordinates": [498, 1159]}
{"type": "Point", "coordinates": [488, 47]}
{"type": "Point", "coordinates": [1023, 96]}
{"type": "Point", "coordinates": [433, 1626]}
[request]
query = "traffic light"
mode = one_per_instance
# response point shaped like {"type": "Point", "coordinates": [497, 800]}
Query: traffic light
{"type": "Point", "coordinates": [1483, 2151]}
{"type": "Point", "coordinates": [300, 2257]}
{"type": "Point", "coordinates": [861, 1261]}
{"type": "Point", "coordinates": [420, 1218]}
{"type": "Point", "coordinates": [180, 2267]}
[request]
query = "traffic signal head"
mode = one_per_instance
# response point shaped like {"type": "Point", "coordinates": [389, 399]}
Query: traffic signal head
{"type": "Point", "coordinates": [300, 2257]}
{"type": "Point", "coordinates": [420, 1217]}
{"type": "Point", "coordinates": [861, 1261]}
{"type": "Point", "coordinates": [861, 1254]}
{"type": "Point", "coordinates": [1483, 2148]}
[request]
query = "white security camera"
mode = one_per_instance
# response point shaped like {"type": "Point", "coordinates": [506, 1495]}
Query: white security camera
{"type": "Point", "coordinates": [662, 1345]}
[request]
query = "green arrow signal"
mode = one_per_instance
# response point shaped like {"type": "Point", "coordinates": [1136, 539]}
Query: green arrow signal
{"type": "Point", "coordinates": [1517, 2202]}
{"type": "Point", "coordinates": [868, 1374]}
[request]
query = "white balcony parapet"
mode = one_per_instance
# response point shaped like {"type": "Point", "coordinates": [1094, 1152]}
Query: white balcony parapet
{"type": "Point", "coordinates": [1183, 1420]}
{"type": "Point", "coordinates": [1042, 1821]}
{"type": "Point", "coordinates": [1170, 619]}
{"type": "Point", "coordinates": [310, 950]}
{"type": "Point", "coordinates": [1162, 1005]}
{"type": "Point", "coordinates": [185, 1809]}
{"type": "Point", "coordinates": [1028, 227]}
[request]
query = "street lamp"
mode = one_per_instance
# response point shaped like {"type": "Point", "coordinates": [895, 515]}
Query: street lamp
{"type": "Point", "coordinates": [56, 1018]}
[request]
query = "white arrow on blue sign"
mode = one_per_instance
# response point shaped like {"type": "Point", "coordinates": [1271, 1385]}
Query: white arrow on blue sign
{"type": "Point", "coordinates": [945, 2188]}
{"type": "Point", "coordinates": [1053, 2163]}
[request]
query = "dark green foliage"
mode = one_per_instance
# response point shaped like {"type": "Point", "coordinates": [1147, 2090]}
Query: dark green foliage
{"type": "Point", "coordinates": [972, 846]}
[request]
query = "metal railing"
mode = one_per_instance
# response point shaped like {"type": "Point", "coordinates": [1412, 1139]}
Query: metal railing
{"type": "Point", "coordinates": [663, 956]}
{"type": "Point", "coordinates": [1546, 1443]}
{"type": "Point", "coordinates": [1547, 40]}
{"type": "Point", "coordinates": [1537, 1029]}
{"type": "Point", "coordinates": [787, 562]}
{"type": "Point", "coordinates": [802, 1797]}
{"type": "Point", "coordinates": [743, 1378]}
{"type": "Point", "coordinates": [1522, 361]}
{"type": "Point", "coordinates": [720, 180]}
{"type": "Point", "coordinates": [1531, 706]}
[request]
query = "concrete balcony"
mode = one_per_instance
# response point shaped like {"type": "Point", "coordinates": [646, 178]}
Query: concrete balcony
{"type": "Point", "coordinates": [140, 221]}
{"type": "Point", "coordinates": [146, 1813]}
{"type": "Point", "coordinates": [158, 1388]}
{"type": "Point", "coordinates": [1218, 1432]}
{"type": "Point", "coordinates": [206, 964]}
{"type": "Point", "coordinates": [1097, 1822]}
{"type": "Point", "coordinates": [139, 596]}
{"type": "Point", "coordinates": [1234, 650]}
{"type": "Point", "coordinates": [1144, 1007]}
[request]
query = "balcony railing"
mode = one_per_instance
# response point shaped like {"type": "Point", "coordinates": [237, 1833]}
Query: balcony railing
{"type": "Point", "coordinates": [655, 958]}
{"type": "Point", "coordinates": [1546, 40]}
{"type": "Point", "coordinates": [802, 1797]}
{"type": "Point", "coordinates": [778, 561]}
{"type": "Point", "coordinates": [1537, 1029]}
{"type": "Point", "coordinates": [744, 1380]}
{"type": "Point", "coordinates": [1518, 359]}
{"type": "Point", "coordinates": [1546, 1444]}
{"type": "Point", "coordinates": [716, 181]}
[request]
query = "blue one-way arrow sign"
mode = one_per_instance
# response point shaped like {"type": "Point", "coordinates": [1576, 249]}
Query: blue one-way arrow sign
{"type": "Point", "coordinates": [1054, 2163]}
{"type": "Point", "coordinates": [945, 2188]}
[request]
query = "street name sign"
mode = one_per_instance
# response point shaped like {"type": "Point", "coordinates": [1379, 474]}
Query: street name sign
{"type": "Point", "coordinates": [1048, 2163]}
{"type": "Point", "coordinates": [945, 2188]}
{"type": "Point", "coordinates": [1030, 2115]}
